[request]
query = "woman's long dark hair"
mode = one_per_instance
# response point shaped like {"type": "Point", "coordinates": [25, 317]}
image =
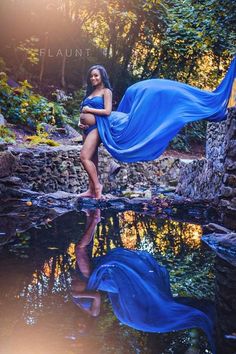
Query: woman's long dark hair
{"type": "Point", "coordinates": [104, 76]}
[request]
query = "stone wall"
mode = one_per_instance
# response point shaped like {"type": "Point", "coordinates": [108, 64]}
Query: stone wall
{"type": "Point", "coordinates": [49, 169]}
{"type": "Point", "coordinates": [204, 178]}
{"type": "Point", "coordinates": [228, 191]}
{"type": "Point", "coordinates": [163, 172]}
{"type": "Point", "coordinates": [213, 178]}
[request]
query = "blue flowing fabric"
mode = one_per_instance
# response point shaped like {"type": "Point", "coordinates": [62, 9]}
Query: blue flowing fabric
{"type": "Point", "coordinates": [153, 111]}
{"type": "Point", "coordinates": [139, 291]}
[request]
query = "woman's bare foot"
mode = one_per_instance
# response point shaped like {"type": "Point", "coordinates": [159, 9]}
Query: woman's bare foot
{"type": "Point", "coordinates": [98, 191]}
{"type": "Point", "coordinates": [89, 194]}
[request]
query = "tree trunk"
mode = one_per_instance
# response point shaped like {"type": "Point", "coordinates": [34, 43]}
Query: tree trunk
{"type": "Point", "coordinates": [63, 66]}
{"type": "Point", "coordinates": [134, 32]}
{"type": "Point", "coordinates": [44, 57]}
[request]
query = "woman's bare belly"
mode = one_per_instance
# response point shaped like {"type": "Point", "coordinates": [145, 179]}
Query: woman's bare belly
{"type": "Point", "coordinates": [87, 119]}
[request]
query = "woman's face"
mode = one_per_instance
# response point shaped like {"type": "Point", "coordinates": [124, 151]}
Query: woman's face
{"type": "Point", "coordinates": [95, 77]}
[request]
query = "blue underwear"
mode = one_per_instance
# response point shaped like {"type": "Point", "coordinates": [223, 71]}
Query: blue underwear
{"type": "Point", "coordinates": [88, 130]}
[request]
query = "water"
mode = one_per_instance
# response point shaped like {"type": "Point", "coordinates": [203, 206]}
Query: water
{"type": "Point", "coordinates": [38, 267]}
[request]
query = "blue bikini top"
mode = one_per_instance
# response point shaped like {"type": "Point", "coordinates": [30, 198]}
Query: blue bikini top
{"type": "Point", "coordinates": [94, 102]}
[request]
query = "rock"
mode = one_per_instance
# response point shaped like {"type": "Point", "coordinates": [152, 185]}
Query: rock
{"type": "Point", "coordinates": [48, 128]}
{"type": "Point", "coordinates": [12, 181]}
{"type": "Point", "coordinates": [230, 165]}
{"type": "Point", "coordinates": [114, 169]}
{"type": "Point", "coordinates": [8, 163]}
{"type": "Point", "coordinates": [224, 203]}
{"type": "Point", "coordinates": [61, 195]}
{"type": "Point", "coordinates": [224, 245]}
{"type": "Point", "coordinates": [22, 215]}
{"type": "Point", "coordinates": [228, 192]}
{"type": "Point", "coordinates": [230, 180]}
{"type": "Point", "coordinates": [3, 189]}
{"type": "Point", "coordinates": [2, 120]}
{"type": "Point", "coordinates": [147, 194]}
{"type": "Point", "coordinates": [12, 82]}
{"type": "Point", "coordinates": [3, 146]}
{"type": "Point", "coordinates": [217, 227]}
{"type": "Point", "coordinates": [231, 148]}
{"type": "Point", "coordinates": [72, 133]}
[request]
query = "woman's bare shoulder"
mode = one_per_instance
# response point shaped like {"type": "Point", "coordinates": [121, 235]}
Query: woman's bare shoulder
{"type": "Point", "coordinates": [107, 91]}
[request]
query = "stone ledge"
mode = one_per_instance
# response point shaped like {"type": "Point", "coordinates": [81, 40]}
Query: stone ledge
{"type": "Point", "coordinates": [49, 169]}
{"type": "Point", "coordinates": [224, 245]}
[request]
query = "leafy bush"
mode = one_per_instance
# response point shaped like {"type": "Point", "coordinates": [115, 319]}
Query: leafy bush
{"type": "Point", "coordinates": [3, 66]}
{"type": "Point", "coordinates": [192, 133]}
{"type": "Point", "coordinates": [41, 138]}
{"type": "Point", "coordinates": [7, 135]}
{"type": "Point", "coordinates": [71, 104]}
{"type": "Point", "coordinates": [28, 50]}
{"type": "Point", "coordinates": [38, 140]}
{"type": "Point", "coordinates": [21, 106]}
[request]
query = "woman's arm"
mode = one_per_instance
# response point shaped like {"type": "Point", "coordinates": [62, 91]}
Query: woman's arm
{"type": "Point", "coordinates": [94, 310]}
{"type": "Point", "coordinates": [106, 111]}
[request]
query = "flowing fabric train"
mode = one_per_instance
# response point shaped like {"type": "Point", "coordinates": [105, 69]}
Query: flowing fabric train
{"type": "Point", "coordinates": [153, 111]}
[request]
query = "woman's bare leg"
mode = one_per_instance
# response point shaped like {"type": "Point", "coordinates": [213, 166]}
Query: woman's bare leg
{"type": "Point", "coordinates": [95, 159]}
{"type": "Point", "coordinates": [90, 193]}
{"type": "Point", "coordinates": [88, 156]}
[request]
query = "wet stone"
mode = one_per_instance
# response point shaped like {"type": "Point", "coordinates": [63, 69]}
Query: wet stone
{"type": "Point", "coordinates": [223, 244]}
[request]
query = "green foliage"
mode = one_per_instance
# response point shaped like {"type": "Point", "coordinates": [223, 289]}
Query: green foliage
{"type": "Point", "coordinates": [21, 106]}
{"type": "Point", "coordinates": [196, 29]}
{"type": "Point", "coordinates": [41, 138]}
{"type": "Point", "coordinates": [185, 282]}
{"type": "Point", "coordinates": [191, 41]}
{"type": "Point", "coordinates": [192, 133]}
{"type": "Point", "coordinates": [29, 51]}
{"type": "Point", "coordinates": [2, 64]}
{"type": "Point", "coordinates": [7, 135]}
{"type": "Point", "coordinates": [72, 106]}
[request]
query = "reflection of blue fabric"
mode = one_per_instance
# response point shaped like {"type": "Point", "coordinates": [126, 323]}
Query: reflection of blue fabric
{"type": "Point", "coordinates": [83, 303]}
{"type": "Point", "coordinates": [152, 112]}
{"type": "Point", "coordinates": [139, 291]}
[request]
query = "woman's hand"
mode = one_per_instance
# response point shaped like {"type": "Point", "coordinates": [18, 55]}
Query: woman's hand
{"type": "Point", "coordinates": [83, 126]}
{"type": "Point", "coordinates": [86, 109]}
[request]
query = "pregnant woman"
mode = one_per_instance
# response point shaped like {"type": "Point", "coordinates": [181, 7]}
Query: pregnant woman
{"type": "Point", "coordinates": [149, 115]}
{"type": "Point", "coordinates": [98, 102]}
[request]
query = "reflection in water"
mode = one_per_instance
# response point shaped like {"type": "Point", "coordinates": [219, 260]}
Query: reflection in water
{"type": "Point", "coordinates": [138, 288]}
{"type": "Point", "coordinates": [40, 268]}
{"type": "Point", "coordinates": [225, 306]}
{"type": "Point", "coordinates": [131, 230]}
{"type": "Point", "coordinates": [164, 233]}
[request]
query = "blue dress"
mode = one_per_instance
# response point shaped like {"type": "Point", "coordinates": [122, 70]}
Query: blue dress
{"type": "Point", "coordinates": [93, 102]}
{"type": "Point", "coordinates": [153, 111]}
{"type": "Point", "coordinates": [139, 291]}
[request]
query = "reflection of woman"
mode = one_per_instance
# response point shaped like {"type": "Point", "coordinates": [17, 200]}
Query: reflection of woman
{"type": "Point", "coordinates": [87, 300]}
{"type": "Point", "coordinates": [139, 291]}
{"type": "Point", "coordinates": [149, 115]}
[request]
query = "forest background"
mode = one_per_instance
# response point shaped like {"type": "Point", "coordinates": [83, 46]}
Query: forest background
{"type": "Point", "coordinates": [48, 45]}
